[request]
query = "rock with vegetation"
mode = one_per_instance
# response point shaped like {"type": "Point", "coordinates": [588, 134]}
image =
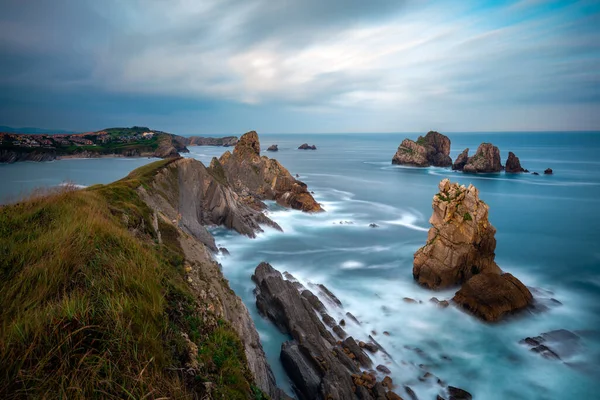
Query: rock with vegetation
{"type": "Point", "coordinates": [433, 149]}
{"type": "Point", "coordinates": [513, 164]}
{"type": "Point", "coordinates": [258, 178]}
{"type": "Point", "coordinates": [306, 146]}
{"type": "Point", "coordinates": [461, 160]}
{"type": "Point", "coordinates": [460, 251]}
{"type": "Point", "coordinates": [486, 159]}
{"type": "Point", "coordinates": [226, 141]}
{"type": "Point", "coordinates": [319, 366]}
{"type": "Point", "coordinates": [131, 306]}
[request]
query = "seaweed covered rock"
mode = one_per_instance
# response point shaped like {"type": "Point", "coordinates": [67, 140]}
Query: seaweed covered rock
{"type": "Point", "coordinates": [461, 241]}
{"type": "Point", "coordinates": [433, 149]}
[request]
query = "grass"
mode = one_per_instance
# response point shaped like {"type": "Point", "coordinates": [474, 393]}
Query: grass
{"type": "Point", "coordinates": [467, 217]}
{"type": "Point", "coordinates": [91, 306]}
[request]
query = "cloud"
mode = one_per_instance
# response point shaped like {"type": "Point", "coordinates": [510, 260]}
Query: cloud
{"type": "Point", "coordinates": [443, 61]}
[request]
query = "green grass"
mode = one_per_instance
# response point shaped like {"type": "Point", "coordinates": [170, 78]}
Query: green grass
{"type": "Point", "coordinates": [467, 217]}
{"type": "Point", "coordinates": [91, 306]}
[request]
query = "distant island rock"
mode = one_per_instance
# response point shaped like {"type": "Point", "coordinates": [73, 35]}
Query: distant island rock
{"type": "Point", "coordinates": [226, 141]}
{"type": "Point", "coordinates": [486, 159]}
{"type": "Point", "coordinates": [460, 251]}
{"type": "Point", "coordinates": [548, 171]}
{"type": "Point", "coordinates": [431, 150]}
{"type": "Point", "coordinates": [273, 147]}
{"type": "Point", "coordinates": [305, 146]}
{"type": "Point", "coordinates": [513, 164]}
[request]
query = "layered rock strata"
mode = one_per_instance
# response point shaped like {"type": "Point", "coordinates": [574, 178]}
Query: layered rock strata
{"type": "Point", "coordinates": [433, 149]}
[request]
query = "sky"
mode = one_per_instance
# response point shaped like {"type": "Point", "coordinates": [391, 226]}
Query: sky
{"type": "Point", "coordinates": [306, 66]}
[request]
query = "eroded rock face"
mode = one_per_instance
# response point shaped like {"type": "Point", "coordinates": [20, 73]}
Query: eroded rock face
{"type": "Point", "coordinates": [513, 164]}
{"type": "Point", "coordinates": [461, 160]}
{"type": "Point", "coordinates": [490, 296]}
{"type": "Point", "coordinates": [486, 159]}
{"type": "Point", "coordinates": [460, 251]}
{"type": "Point", "coordinates": [461, 241]}
{"type": "Point", "coordinates": [258, 178]}
{"type": "Point", "coordinates": [433, 149]}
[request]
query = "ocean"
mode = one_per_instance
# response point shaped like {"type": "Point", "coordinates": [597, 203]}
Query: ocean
{"type": "Point", "coordinates": [547, 236]}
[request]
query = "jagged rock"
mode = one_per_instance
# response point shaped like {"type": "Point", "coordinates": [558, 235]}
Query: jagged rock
{"type": "Point", "coordinates": [513, 165]}
{"type": "Point", "coordinates": [439, 303]}
{"type": "Point", "coordinates": [490, 296]}
{"type": "Point", "coordinates": [392, 396]}
{"type": "Point", "coordinates": [548, 171]}
{"type": "Point", "coordinates": [554, 344]}
{"type": "Point", "coordinates": [305, 146]}
{"type": "Point", "coordinates": [329, 294]}
{"type": "Point", "coordinates": [383, 369]}
{"type": "Point", "coordinates": [317, 365]}
{"type": "Point", "coordinates": [261, 178]}
{"type": "Point", "coordinates": [372, 225]}
{"type": "Point", "coordinates": [224, 251]}
{"type": "Point", "coordinates": [486, 159]}
{"type": "Point", "coordinates": [433, 149]}
{"type": "Point", "coordinates": [352, 318]}
{"type": "Point", "coordinates": [460, 250]}
{"type": "Point", "coordinates": [272, 147]}
{"type": "Point", "coordinates": [460, 242]}
{"type": "Point", "coordinates": [461, 160]}
{"type": "Point", "coordinates": [458, 394]}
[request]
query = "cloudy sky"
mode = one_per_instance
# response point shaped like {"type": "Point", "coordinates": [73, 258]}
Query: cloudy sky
{"type": "Point", "coordinates": [228, 66]}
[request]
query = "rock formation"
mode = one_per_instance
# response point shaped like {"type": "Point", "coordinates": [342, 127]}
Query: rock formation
{"type": "Point", "coordinates": [460, 250]}
{"type": "Point", "coordinates": [513, 165]}
{"type": "Point", "coordinates": [486, 159]}
{"type": "Point", "coordinates": [258, 178]}
{"type": "Point", "coordinates": [319, 366]}
{"type": "Point", "coordinates": [212, 141]}
{"type": "Point", "coordinates": [554, 345]}
{"type": "Point", "coordinates": [433, 149]}
{"type": "Point", "coordinates": [461, 160]}
{"type": "Point", "coordinates": [548, 171]}
{"type": "Point", "coordinates": [305, 146]}
{"type": "Point", "coordinates": [273, 147]}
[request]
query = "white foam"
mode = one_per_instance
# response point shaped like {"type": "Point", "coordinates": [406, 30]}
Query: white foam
{"type": "Point", "coordinates": [351, 264]}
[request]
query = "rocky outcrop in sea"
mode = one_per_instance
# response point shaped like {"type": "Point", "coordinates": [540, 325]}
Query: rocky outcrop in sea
{"type": "Point", "coordinates": [513, 164]}
{"type": "Point", "coordinates": [257, 178]}
{"type": "Point", "coordinates": [486, 159]}
{"type": "Point", "coordinates": [460, 251]}
{"type": "Point", "coordinates": [226, 141]}
{"type": "Point", "coordinates": [431, 150]}
{"type": "Point", "coordinates": [273, 147]}
{"type": "Point", "coordinates": [306, 146]}
{"type": "Point", "coordinates": [461, 160]}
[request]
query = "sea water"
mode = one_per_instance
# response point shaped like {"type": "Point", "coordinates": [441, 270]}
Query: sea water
{"type": "Point", "coordinates": [547, 236]}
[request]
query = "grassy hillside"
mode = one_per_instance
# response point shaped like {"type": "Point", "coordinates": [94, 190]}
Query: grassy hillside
{"type": "Point", "coordinates": [91, 306]}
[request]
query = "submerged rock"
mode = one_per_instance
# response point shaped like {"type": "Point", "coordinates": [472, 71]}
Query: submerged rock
{"type": "Point", "coordinates": [461, 160]}
{"type": "Point", "coordinates": [261, 178]}
{"type": "Point", "coordinates": [486, 159]}
{"type": "Point", "coordinates": [460, 251]}
{"type": "Point", "coordinates": [548, 171]}
{"type": "Point", "coordinates": [305, 146]}
{"type": "Point", "coordinates": [556, 344]}
{"type": "Point", "coordinates": [458, 394]}
{"type": "Point", "coordinates": [273, 147]}
{"type": "Point", "coordinates": [513, 165]}
{"type": "Point", "coordinates": [433, 149]}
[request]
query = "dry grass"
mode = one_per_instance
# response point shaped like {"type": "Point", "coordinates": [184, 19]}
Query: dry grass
{"type": "Point", "coordinates": [89, 309]}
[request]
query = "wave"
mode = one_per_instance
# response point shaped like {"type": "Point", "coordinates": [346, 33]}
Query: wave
{"type": "Point", "coordinates": [408, 221]}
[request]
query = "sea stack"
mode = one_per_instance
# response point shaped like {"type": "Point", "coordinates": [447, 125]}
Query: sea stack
{"type": "Point", "coordinates": [460, 251]}
{"type": "Point", "coordinates": [306, 146]}
{"type": "Point", "coordinates": [272, 147]}
{"type": "Point", "coordinates": [431, 150]}
{"type": "Point", "coordinates": [259, 178]}
{"type": "Point", "coordinates": [461, 160]}
{"type": "Point", "coordinates": [513, 165]}
{"type": "Point", "coordinates": [486, 159]}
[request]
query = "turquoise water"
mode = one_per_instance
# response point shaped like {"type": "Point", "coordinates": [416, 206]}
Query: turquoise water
{"type": "Point", "coordinates": [547, 237]}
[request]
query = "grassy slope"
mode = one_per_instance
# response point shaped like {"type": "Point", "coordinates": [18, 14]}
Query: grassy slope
{"type": "Point", "coordinates": [89, 309]}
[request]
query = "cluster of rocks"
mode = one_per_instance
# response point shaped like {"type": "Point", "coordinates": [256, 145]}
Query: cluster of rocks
{"type": "Point", "coordinates": [306, 146]}
{"type": "Point", "coordinates": [460, 251]}
{"type": "Point", "coordinates": [258, 178]}
{"type": "Point", "coordinates": [434, 150]}
{"type": "Point", "coordinates": [322, 361]}
{"type": "Point", "coordinates": [554, 345]}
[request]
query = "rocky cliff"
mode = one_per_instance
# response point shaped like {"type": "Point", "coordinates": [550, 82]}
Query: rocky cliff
{"type": "Point", "coordinates": [433, 149]}
{"type": "Point", "coordinates": [486, 159]}
{"type": "Point", "coordinates": [460, 251]}
{"type": "Point", "coordinates": [258, 178]}
{"type": "Point", "coordinates": [226, 141]}
{"type": "Point", "coordinates": [13, 155]}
